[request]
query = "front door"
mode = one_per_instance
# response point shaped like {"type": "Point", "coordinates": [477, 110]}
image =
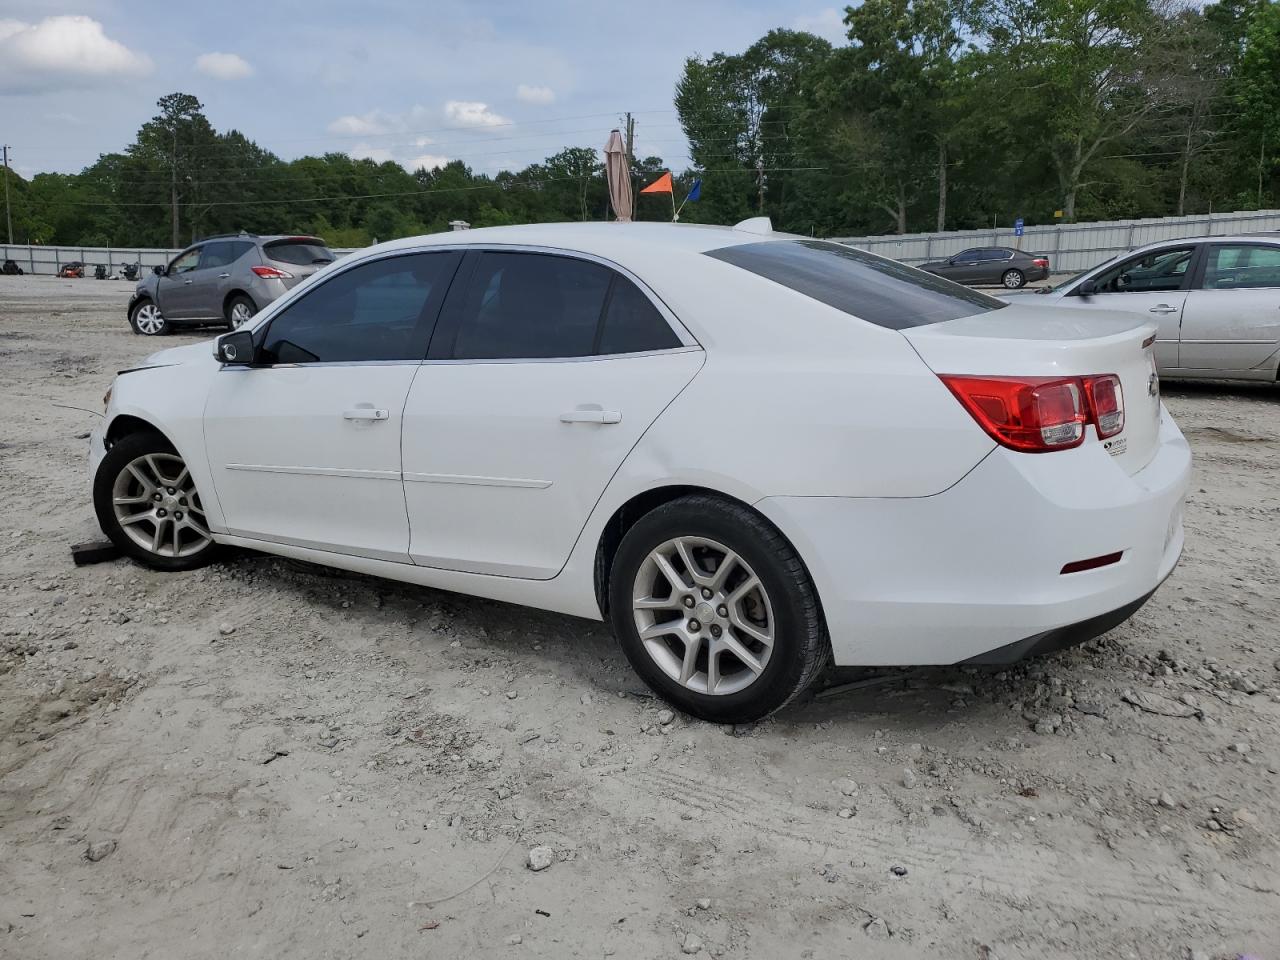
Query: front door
{"type": "Point", "coordinates": [1232, 321]}
{"type": "Point", "coordinates": [545, 372]}
{"type": "Point", "coordinates": [1153, 285]}
{"type": "Point", "coordinates": [305, 446]}
{"type": "Point", "coordinates": [174, 290]}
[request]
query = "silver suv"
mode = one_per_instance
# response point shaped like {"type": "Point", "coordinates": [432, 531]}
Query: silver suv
{"type": "Point", "coordinates": [225, 279]}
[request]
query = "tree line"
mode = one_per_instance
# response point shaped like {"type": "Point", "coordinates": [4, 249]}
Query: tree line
{"type": "Point", "coordinates": [934, 114]}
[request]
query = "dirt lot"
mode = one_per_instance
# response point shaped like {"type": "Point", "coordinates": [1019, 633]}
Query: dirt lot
{"type": "Point", "coordinates": [273, 760]}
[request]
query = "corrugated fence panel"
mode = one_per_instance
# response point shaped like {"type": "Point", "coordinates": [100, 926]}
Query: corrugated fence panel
{"type": "Point", "coordinates": [39, 259]}
{"type": "Point", "coordinates": [1071, 247]}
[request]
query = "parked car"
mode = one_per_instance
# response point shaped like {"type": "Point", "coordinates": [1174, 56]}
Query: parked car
{"type": "Point", "coordinates": [223, 280]}
{"type": "Point", "coordinates": [992, 266]}
{"type": "Point", "coordinates": [749, 452]}
{"type": "Point", "coordinates": [12, 269]}
{"type": "Point", "coordinates": [1215, 301]}
{"type": "Point", "coordinates": [73, 270]}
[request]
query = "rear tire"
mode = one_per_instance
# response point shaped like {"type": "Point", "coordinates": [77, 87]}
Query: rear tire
{"type": "Point", "coordinates": [147, 504]}
{"type": "Point", "coordinates": [147, 320]}
{"type": "Point", "coordinates": [1013, 279]}
{"type": "Point", "coordinates": [740, 634]}
{"type": "Point", "coordinates": [240, 310]}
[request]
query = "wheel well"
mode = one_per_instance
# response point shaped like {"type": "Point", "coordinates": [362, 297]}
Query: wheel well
{"type": "Point", "coordinates": [624, 518]}
{"type": "Point", "coordinates": [124, 425]}
{"type": "Point", "coordinates": [226, 301]}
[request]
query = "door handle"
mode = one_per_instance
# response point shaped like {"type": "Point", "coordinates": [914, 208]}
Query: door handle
{"type": "Point", "coordinates": [223, 276]}
{"type": "Point", "coordinates": [188, 281]}
{"type": "Point", "coordinates": [364, 413]}
{"type": "Point", "coordinates": [1163, 308]}
{"type": "Point", "coordinates": [591, 413]}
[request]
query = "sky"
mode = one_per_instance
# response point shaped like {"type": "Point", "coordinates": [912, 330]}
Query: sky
{"type": "Point", "coordinates": [495, 83]}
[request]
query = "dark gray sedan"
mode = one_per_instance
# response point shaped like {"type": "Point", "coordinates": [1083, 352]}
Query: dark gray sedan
{"type": "Point", "coordinates": [1002, 266]}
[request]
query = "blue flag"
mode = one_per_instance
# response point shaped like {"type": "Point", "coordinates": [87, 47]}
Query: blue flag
{"type": "Point", "coordinates": [695, 192]}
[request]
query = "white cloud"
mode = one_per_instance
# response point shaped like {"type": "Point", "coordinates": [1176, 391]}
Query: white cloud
{"type": "Point", "coordinates": [224, 66]}
{"type": "Point", "coordinates": [827, 22]}
{"type": "Point", "coordinates": [470, 113]}
{"type": "Point", "coordinates": [62, 53]}
{"type": "Point", "coordinates": [540, 96]}
{"type": "Point", "coordinates": [428, 161]}
{"type": "Point", "coordinates": [367, 125]}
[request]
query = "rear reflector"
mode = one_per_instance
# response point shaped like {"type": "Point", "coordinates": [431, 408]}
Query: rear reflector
{"type": "Point", "coordinates": [1041, 414]}
{"type": "Point", "coordinates": [272, 273]}
{"type": "Point", "coordinates": [1093, 563]}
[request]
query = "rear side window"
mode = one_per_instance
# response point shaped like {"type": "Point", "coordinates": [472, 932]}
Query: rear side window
{"type": "Point", "coordinates": [383, 310]}
{"type": "Point", "coordinates": [529, 305]}
{"type": "Point", "coordinates": [220, 253]}
{"type": "Point", "coordinates": [1235, 267]}
{"type": "Point", "coordinates": [298, 252]}
{"type": "Point", "coordinates": [875, 289]}
{"type": "Point", "coordinates": [632, 324]}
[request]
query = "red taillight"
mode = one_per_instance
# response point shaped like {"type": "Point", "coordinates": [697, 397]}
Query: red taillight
{"type": "Point", "coordinates": [1106, 403]}
{"type": "Point", "coordinates": [272, 273]}
{"type": "Point", "coordinates": [1041, 262]}
{"type": "Point", "coordinates": [1040, 414]}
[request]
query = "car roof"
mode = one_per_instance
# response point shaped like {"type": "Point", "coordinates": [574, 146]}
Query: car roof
{"type": "Point", "coordinates": [1262, 236]}
{"type": "Point", "coordinates": [599, 238]}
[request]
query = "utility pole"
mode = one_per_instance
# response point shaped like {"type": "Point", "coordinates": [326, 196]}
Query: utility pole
{"type": "Point", "coordinates": [173, 184]}
{"type": "Point", "coordinates": [8, 220]}
{"type": "Point", "coordinates": [631, 133]}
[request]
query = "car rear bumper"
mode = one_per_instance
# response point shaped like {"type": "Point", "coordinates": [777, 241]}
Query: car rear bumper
{"type": "Point", "coordinates": [976, 570]}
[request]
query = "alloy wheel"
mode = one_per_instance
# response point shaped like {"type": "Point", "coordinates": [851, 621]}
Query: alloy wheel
{"type": "Point", "coordinates": [149, 319]}
{"type": "Point", "coordinates": [703, 615]}
{"type": "Point", "coordinates": [157, 506]}
{"type": "Point", "coordinates": [240, 314]}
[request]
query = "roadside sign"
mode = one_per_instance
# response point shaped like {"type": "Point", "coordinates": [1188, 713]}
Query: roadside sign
{"type": "Point", "coordinates": [1017, 227]}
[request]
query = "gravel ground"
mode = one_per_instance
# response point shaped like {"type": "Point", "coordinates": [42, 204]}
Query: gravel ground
{"type": "Point", "coordinates": [270, 759]}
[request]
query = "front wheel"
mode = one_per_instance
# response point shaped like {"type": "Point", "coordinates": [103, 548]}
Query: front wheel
{"type": "Point", "coordinates": [146, 319]}
{"type": "Point", "coordinates": [715, 610]}
{"type": "Point", "coordinates": [1013, 279]}
{"type": "Point", "coordinates": [240, 310]}
{"type": "Point", "coordinates": [148, 505]}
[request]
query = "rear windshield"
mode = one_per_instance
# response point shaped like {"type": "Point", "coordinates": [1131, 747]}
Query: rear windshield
{"type": "Point", "coordinates": [300, 252]}
{"type": "Point", "coordinates": [876, 289]}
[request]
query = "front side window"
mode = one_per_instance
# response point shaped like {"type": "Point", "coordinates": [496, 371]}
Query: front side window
{"type": "Point", "coordinates": [382, 310]}
{"type": "Point", "coordinates": [531, 306]}
{"type": "Point", "coordinates": [1156, 271]}
{"type": "Point", "coordinates": [967, 256]}
{"type": "Point", "coordinates": [876, 289]}
{"type": "Point", "coordinates": [1242, 266]}
{"type": "Point", "coordinates": [185, 262]}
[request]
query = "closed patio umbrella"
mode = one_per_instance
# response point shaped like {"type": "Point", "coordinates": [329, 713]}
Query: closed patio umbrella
{"type": "Point", "coordinates": [618, 172]}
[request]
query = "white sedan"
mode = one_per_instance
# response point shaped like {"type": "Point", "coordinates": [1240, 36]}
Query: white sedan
{"type": "Point", "coordinates": [752, 453]}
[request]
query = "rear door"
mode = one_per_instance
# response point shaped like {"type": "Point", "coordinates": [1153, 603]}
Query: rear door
{"type": "Point", "coordinates": [206, 284]}
{"type": "Point", "coordinates": [544, 371]}
{"type": "Point", "coordinates": [1153, 284]}
{"type": "Point", "coordinates": [1231, 321]}
{"type": "Point", "coordinates": [174, 288]}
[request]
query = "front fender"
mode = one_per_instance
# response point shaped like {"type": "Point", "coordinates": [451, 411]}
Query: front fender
{"type": "Point", "coordinates": [171, 399]}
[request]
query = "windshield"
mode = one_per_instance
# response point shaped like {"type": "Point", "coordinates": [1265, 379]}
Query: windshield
{"type": "Point", "coordinates": [1063, 284]}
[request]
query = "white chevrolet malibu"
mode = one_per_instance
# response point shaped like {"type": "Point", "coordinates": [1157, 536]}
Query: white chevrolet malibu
{"type": "Point", "coordinates": [752, 453]}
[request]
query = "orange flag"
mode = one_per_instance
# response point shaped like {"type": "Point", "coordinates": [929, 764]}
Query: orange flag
{"type": "Point", "coordinates": [661, 185]}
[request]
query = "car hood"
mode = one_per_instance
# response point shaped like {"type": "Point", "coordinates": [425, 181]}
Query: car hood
{"type": "Point", "coordinates": [187, 353]}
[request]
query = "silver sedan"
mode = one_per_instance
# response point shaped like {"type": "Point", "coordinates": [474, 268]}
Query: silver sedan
{"type": "Point", "coordinates": [1216, 301]}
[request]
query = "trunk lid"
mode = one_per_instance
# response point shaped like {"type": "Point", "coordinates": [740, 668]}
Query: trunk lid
{"type": "Point", "coordinates": [1046, 341]}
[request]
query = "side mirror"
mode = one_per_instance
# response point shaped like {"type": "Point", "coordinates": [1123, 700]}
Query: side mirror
{"type": "Point", "coordinates": [158, 271]}
{"type": "Point", "coordinates": [1086, 289]}
{"type": "Point", "coordinates": [235, 348]}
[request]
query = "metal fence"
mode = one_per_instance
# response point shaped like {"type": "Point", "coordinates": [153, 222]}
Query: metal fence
{"type": "Point", "coordinates": [1071, 246]}
{"type": "Point", "coordinates": [39, 259]}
